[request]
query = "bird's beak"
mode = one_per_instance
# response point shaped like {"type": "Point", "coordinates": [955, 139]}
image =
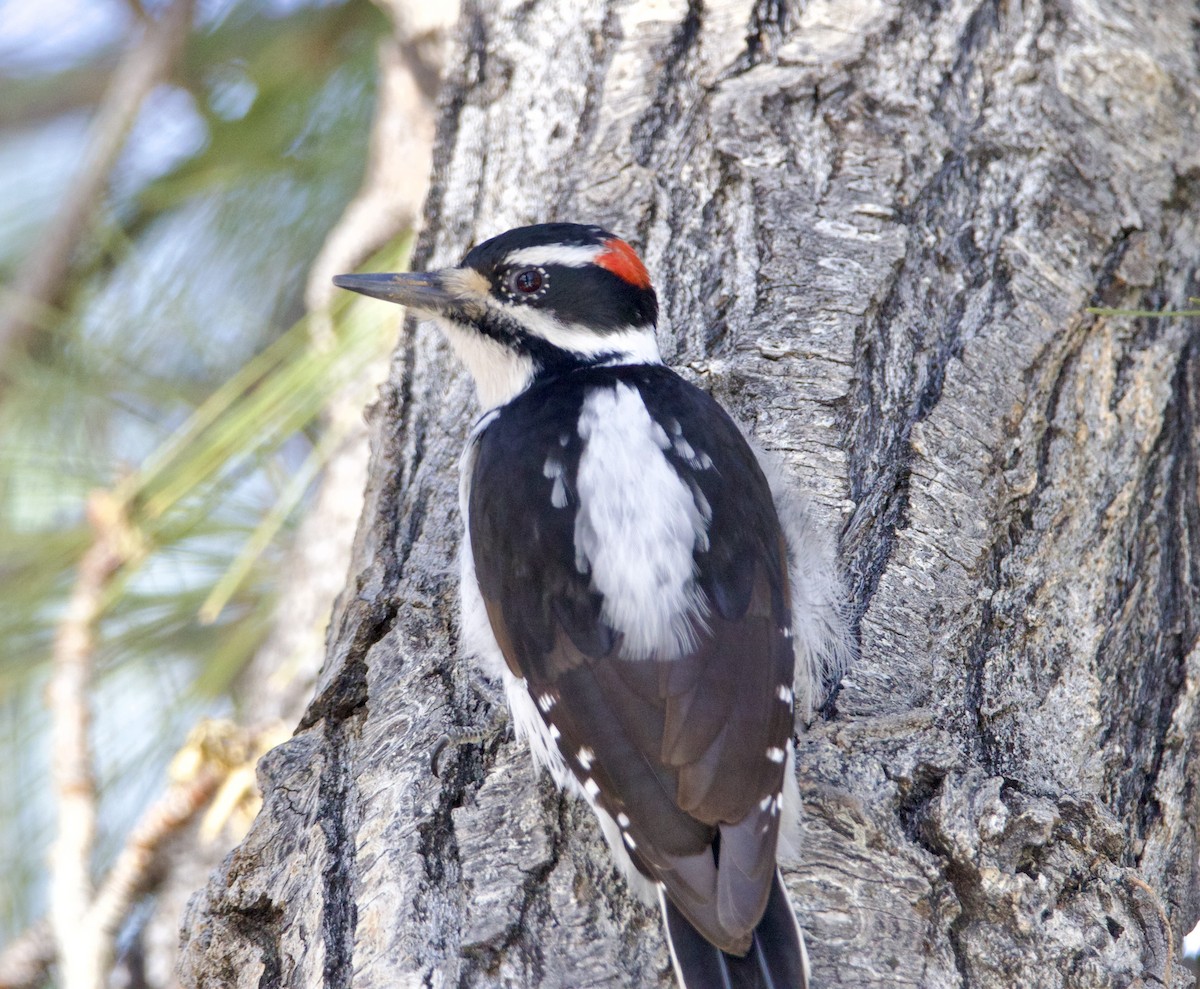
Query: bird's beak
{"type": "Point", "coordinates": [426, 291]}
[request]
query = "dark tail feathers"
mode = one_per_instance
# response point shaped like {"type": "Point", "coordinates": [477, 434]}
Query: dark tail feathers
{"type": "Point", "coordinates": [776, 959]}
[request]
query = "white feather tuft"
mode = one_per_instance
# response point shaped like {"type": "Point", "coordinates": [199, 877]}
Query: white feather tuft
{"type": "Point", "coordinates": [820, 632]}
{"type": "Point", "coordinates": [821, 636]}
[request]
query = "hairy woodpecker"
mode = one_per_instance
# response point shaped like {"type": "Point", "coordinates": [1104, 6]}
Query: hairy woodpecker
{"type": "Point", "coordinates": [655, 610]}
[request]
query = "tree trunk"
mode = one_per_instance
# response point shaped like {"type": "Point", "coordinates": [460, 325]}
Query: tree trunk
{"type": "Point", "coordinates": [874, 229]}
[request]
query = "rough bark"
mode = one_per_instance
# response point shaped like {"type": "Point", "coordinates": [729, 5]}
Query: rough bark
{"type": "Point", "coordinates": [875, 228]}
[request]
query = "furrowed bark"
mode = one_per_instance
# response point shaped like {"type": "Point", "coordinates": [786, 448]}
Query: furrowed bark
{"type": "Point", "coordinates": [875, 229]}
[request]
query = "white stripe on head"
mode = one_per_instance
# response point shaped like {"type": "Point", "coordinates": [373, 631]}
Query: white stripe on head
{"type": "Point", "coordinates": [635, 345]}
{"type": "Point", "coordinates": [569, 257]}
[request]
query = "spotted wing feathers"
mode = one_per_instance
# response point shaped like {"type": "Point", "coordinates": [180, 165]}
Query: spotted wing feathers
{"type": "Point", "coordinates": [685, 753]}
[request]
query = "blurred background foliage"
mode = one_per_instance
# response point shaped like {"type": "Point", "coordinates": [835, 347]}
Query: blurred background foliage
{"type": "Point", "coordinates": [178, 371]}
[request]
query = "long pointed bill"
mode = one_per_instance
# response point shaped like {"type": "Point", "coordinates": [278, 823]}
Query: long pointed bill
{"type": "Point", "coordinates": [417, 290]}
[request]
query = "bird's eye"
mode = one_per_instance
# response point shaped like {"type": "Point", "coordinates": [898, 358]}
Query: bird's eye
{"type": "Point", "coordinates": [526, 281]}
{"type": "Point", "coordinates": [529, 280]}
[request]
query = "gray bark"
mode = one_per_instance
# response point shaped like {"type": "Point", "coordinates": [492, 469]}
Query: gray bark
{"type": "Point", "coordinates": [874, 228]}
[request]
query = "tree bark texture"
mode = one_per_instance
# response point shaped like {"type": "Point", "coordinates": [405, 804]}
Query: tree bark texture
{"type": "Point", "coordinates": [874, 228]}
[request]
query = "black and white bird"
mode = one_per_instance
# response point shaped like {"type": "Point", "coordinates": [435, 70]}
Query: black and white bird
{"type": "Point", "coordinates": [652, 603]}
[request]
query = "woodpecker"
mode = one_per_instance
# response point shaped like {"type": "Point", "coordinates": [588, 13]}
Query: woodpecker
{"type": "Point", "coordinates": [654, 605]}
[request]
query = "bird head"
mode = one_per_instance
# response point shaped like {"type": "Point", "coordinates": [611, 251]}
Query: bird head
{"type": "Point", "coordinates": [538, 300]}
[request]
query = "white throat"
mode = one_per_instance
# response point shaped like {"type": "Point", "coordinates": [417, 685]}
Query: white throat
{"type": "Point", "coordinates": [500, 374]}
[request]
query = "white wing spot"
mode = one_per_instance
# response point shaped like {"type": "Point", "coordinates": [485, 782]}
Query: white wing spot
{"type": "Point", "coordinates": [553, 470]}
{"type": "Point", "coordinates": [765, 803]}
{"type": "Point", "coordinates": [775, 753]}
{"type": "Point", "coordinates": [786, 631]}
{"type": "Point", "coordinates": [697, 460]}
{"type": "Point", "coordinates": [592, 787]}
{"type": "Point", "coordinates": [546, 702]}
{"type": "Point", "coordinates": [704, 507]}
{"type": "Point", "coordinates": [623, 819]}
{"type": "Point", "coordinates": [585, 756]}
{"type": "Point", "coordinates": [629, 840]}
{"type": "Point", "coordinates": [784, 693]}
{"type": "Point", "coordinates": [685, 450]}
{"type": "Point", "coordinates": [555, 733]}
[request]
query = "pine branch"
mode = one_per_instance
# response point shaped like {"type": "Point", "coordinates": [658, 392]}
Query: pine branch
{"type": "Point", "coordinates": [79, 952]}
{"type": "Point", "coordinates": [136, 870]}
{"type": "Point", "coordinates": [42, 280]}
{"type": "Point", "coordinates": [215, 753]}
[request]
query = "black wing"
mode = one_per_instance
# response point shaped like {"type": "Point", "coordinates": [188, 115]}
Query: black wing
{"type": "Point", "coordinates": [687, 755]}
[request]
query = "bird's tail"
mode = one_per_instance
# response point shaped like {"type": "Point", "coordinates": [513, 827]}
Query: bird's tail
{"type": "Point", "coordinates": [776, 959]}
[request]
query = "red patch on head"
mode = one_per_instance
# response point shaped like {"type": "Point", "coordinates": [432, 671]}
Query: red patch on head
{"type": "Point", "coordinates": [621, 259]}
